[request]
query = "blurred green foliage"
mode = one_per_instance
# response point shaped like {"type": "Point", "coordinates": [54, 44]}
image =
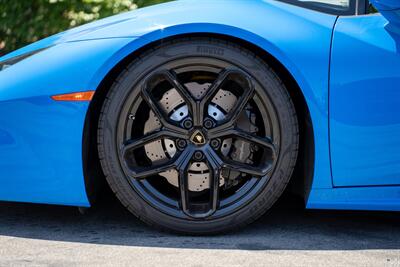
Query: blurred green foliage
{"type": "Point", "coordinates": [26, 21]}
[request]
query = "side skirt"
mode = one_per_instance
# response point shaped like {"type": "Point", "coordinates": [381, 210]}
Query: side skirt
{"type": "Point", "coordinates": [384, 198]}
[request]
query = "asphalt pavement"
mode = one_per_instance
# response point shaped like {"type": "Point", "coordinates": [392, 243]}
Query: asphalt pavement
{"type": "Point", "coordinates": [41, 235]}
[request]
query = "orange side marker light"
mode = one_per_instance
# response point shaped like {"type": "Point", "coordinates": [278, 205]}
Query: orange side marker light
{"type": "Point", "coordinates": [79, 96]}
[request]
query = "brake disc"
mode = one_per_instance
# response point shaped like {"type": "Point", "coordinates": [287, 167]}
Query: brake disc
{"type": "Point", "coordinates": [174, 106]}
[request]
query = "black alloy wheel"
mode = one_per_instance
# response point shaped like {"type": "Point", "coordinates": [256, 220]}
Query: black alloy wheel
{"type": "Point", "coordinates": [198, 136]}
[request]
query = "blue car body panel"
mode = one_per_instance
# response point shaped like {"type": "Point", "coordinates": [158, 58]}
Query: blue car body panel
{"type": "Point", "coordinates": [365, 103]}
{"type": "Point", "coordinates": [385, 198]}
{"type": "Point", "coordinates": [40, 155]}
{"type": "Point", "coordinates": [41, 140]}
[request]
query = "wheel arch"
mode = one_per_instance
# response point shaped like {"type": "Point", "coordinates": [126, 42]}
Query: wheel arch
{"type": "Point", "coordinates": [302, 178]}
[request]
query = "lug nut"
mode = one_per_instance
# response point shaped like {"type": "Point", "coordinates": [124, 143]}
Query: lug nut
{"type": "Point", "coordinates": [198, 155]}
{"type": "Point", "coordinates": [208, 123]}
{"type": "Point", "coordinates": [215, 143]}
{"type": "Point", "coordinates": [188, 124]}
{"type": "Point", "coordinates": [254, 147]}
{"type": "Point", "coordinates": [181, 144]}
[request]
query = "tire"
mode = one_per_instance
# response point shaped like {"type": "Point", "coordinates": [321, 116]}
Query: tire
{"type": "Point", "coordinates": [123, 161]}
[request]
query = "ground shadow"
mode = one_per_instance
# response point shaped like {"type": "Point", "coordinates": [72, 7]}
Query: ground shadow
{"type": "Point", "coordinates": [284, 228]}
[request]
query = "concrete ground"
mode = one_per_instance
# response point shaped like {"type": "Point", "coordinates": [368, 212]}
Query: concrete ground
{"type": "Point", "coordinates": [40, 235]}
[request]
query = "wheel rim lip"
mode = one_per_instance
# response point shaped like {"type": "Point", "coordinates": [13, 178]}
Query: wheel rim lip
{"type": "Point", "coordinates": [228, 205]}
{"type": "Point", "coordinates": [220, 213]}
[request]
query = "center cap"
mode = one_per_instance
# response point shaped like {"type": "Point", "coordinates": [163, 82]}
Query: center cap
{"type": "Point", "coordinates": [198, 138]}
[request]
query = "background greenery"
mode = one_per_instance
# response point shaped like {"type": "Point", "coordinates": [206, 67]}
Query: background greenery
{"type": "Point", "coordinates": [26, 21]}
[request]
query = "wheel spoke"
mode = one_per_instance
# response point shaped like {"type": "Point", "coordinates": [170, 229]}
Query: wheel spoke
{"type": "Point", "coordinates": [184, 93]}
{"type": "Point", "coordinates": [215, 171]}
{"type": "Point", "coordinates": [241, 103]}
{"type": "Point", "coordinates": [262, 141]}
{"type": "Point", "coordinates": [160, 114]}
{"type": "Point", "coordinates": [174, 163]}
{"type": "Point", "coordinates": [246, 168]}
{"type": "Point", "coordinates": [144, 172]}
{"type": "Point", "coordinates": [206, 99]}
{"type": "Point", "coordinates": [214, 189]}
{"type": "Point", "coordinates": [223, 163]}
{"type": "Point", "coordinates": [149, 138]}
{"type": "Point", "coordinates": [214, 165]}
{"type": "Point", "coordinates": [222, 77]}
{"type": "Point", "coordinates": [184, 182]}
{"type": "Point", "coordinates": [231, 130]}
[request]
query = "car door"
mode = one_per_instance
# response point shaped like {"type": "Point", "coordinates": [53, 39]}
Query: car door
{"type": "Point", "coordinates": [364, 100]}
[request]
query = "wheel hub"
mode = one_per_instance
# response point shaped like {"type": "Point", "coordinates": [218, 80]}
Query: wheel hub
{"type": "Point", "coordinates": [198, 138]}
{"type": "Point", "coordinates": [173, 104]}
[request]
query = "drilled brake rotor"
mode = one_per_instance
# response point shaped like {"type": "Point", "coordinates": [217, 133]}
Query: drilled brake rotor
{"type": "Point", "coordinates": [173, 105]}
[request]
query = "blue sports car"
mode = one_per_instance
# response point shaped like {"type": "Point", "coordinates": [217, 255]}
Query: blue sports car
{"type": "Point", "coordinates": [199, 114]}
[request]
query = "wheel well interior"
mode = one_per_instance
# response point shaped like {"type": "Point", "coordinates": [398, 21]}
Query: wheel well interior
{"type": "Point", "coordinates": [300, 183]}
